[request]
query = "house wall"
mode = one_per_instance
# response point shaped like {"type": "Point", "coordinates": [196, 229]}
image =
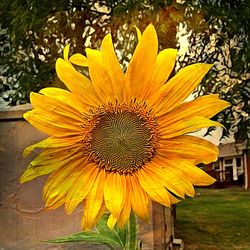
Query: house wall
{"type": "Point", "coordinates": [248, 169]}
{"type": "Point", "coordinates": [232, 151]}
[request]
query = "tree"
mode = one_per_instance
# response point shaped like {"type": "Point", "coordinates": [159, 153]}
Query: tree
{"type": "Point", "coordinates": [221, 37]}
{"type": "Point", "coordinates": [32, 36]}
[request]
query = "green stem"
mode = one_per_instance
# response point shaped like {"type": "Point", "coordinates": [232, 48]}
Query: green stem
{"type": "Point", "coordinates": [131, 242]}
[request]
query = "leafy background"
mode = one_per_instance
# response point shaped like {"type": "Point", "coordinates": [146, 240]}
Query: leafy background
{"type": "Point", "coordinates": [33, 34]}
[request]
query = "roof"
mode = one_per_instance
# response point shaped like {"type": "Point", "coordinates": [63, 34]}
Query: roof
{"type": "Point", "coordinates": [231, 149]}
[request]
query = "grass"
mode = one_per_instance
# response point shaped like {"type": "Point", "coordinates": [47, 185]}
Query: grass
{"type": "Point", "coordinates": [217, 219]}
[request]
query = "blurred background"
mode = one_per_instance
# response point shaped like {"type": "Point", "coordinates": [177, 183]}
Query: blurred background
{"type": "Point", "coordinates": [32, 36]}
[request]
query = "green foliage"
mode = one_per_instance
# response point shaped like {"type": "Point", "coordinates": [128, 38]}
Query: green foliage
{"type": "Point", "coordinates": [22, 69]}
{"type": "Point", "coordinates": [31, 40]}
{"type": "Point", "coordinates": [221, 37]}
{"type": "Point", "coordinates": [20, 16]}
{"type": "Point", "coordinates": [32, 36]}
{"type": "Point", "coordinates": [124, 238]}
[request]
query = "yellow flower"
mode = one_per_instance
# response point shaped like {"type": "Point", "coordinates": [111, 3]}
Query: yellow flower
{"type": "Point", "coordinates": [119, 140]}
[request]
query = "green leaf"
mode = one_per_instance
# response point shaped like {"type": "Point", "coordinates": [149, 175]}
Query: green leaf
{"type": "Point", "coordinates": [106, 232]}
{"type": "Point", "coordinates": [83, 237]}
{"type": "Point", "coordinates": [123, 234]}
{"type": "Point", "coordinates": [102, 235]}
{"type": "Point", "coordinates": [91, 237]}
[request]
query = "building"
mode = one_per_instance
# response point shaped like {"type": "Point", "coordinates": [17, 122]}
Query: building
{"type": "Point", "coordinates": [233, 165]}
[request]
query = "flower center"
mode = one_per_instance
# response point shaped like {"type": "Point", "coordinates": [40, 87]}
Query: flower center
{"type": "Point", "coordinates": [122, 141]}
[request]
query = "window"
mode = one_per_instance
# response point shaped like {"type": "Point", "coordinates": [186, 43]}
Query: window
{"type": "Point", "coordinates": [216, 165]}
{"type": "Point", "coordinates": [239, 165]}
{"type": "Point", "coordinates": [238, 162]}
{"type": "Point", "coordinates": [228, 161]}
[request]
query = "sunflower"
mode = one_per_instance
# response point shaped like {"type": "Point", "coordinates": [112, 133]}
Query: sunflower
{"type": "Point", "coordinates": [118, 141]}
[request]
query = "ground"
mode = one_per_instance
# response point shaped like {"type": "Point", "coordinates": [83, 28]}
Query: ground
{"type": "Point", "coordinates": [216, 219]}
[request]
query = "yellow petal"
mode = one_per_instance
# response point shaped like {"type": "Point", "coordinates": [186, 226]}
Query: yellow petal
{"type": "Point", "coordinates": [51, 155]}
{"type": "Point", "coordinates": [169, 165]}
{"type": "Point", "coordinates": [52, 142]}
{"type": "Point", "coordinates": [164, 66]}
{"type": "Point", "coordinates": [62, 174]}
{"type": "Point", "coordinates": [124, 215]}
{"type": "Point", "coordinates": [65, 96]}
{"type": "Point", "coordinates": [94, 201]}
{"type": "Point", "coordinates": [51, 125]}
{"type": "Point", "coordinates": [153, 188]}
{"type": "Point", "coordinates": [81, 187]}
{"type": "Point", "coordinates": [77, 83]}
{"type": "Point", "coordinates": [189, 147]}
{"type": "Point", "coordinates": [32, 173]}
{"type": "Point", "coordinates": [79, 59]}
{"type": "Point", "coordinates": [178, 88]}
{"type": "Point", "coordinates": [185, 126]}
{"type": "Point", "coordinates": [174, 181]}
{"type": "Point", "coordinates": [56, 107]}
{"type": "Point", "coordinates": [88, 225]}
{"type": "Point", "coordinates": [58, 93]}
{"type": "Point", "coordinates": [112, 67]}
{"type": "Point", "coordinates": [60, 182]}
{"type": "Point", "coordinates": [194, 174]}
{"type": "Point", "coordinates": [138, 33]}
{"type": "Point", "coordinates": [139, 199]}
{"type": "Point", "coordinates": [42, 166]}
{"type": "Point", "coordinates": [41, 144]}
{"type": "Point", "coordinates": [66, 52]}
{"type": "Point", "coordinates": [206, 106]}
{"type": "Point", "coordinates": [112, 221]}
{"type": "Point", "coordinates": [114, 193]}
{"type": "Point", "coordinates": [55, 203]}
{"type": "Point", "coordinates": [99, 76]}
{"type": "Point", "coordinates": [138, 78]}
